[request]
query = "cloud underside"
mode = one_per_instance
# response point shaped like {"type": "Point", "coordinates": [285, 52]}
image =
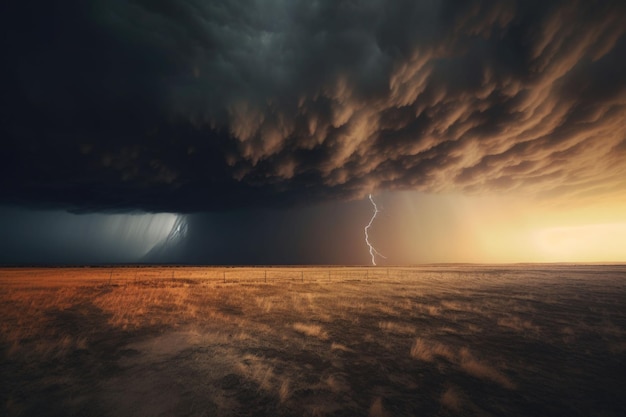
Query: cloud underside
{"type": "Point", "coordinates": [189, 105]}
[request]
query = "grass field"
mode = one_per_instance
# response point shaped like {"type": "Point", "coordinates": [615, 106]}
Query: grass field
{"type": "Point", "coordinates": [440, 340]}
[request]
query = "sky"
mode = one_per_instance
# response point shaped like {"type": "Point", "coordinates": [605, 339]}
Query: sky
{"type": "Point", "coordinates": [253, 132]}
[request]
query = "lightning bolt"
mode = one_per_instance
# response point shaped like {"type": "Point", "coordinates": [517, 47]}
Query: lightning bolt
{"type": "Point", "coordinates": [373, 251]}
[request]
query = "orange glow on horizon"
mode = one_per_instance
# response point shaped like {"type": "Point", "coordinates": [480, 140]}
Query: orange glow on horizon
{"type": "Point", "coordinates": [500, 229]}
{"type": "Point", "coordinates": [587, 243]}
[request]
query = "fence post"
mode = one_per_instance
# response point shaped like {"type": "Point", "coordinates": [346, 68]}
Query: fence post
{"type": "Point", "coordinates": [110, 277]}
{"type": "Point", "coordinates": [224, 273]}
{"type": "Point", "coordinates": [265, 276]}
{"type": "Point", "coordinates": [329, 275]}
{"type": "Point", "coordinates": [302, 272]}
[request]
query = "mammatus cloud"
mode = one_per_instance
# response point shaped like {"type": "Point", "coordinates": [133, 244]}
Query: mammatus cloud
{"type": "Point", "coordinates": [200, 104]}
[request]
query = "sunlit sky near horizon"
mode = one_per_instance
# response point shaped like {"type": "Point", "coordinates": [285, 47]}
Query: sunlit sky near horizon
{"type": "Point", "coordinates": [411, 228]}
{"type": "Point", "coordinates": [198, 131]}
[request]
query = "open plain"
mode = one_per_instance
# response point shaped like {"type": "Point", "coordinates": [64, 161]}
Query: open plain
{"type": "Point", "coordinates": [510, 340]}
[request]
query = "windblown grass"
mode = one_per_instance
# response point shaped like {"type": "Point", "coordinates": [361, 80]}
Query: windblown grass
{"type": "Point", "coordinates": [281, 341]}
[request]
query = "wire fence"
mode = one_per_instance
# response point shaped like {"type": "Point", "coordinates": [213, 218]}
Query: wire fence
{"type": "Point", "coordinates": [224, 275]}
{"type": "Point", "coordinates": [258, 274]}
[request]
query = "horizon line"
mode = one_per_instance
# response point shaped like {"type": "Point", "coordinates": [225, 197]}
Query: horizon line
{"type": "Point", "coordinates": [367, 266]}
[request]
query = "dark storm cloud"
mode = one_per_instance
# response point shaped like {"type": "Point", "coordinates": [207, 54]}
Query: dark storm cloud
{"type": "Point", "coordinates": [190, 105]}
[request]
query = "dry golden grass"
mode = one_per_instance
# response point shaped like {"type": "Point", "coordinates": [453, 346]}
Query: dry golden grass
{"type": "Point", "coordinates": [313, 330]}
{"type": "Point", "coordinates": [297, 341]}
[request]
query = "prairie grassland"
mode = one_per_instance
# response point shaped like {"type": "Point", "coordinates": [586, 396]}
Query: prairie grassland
{"type": "Point", "coordinates": [440, 340]}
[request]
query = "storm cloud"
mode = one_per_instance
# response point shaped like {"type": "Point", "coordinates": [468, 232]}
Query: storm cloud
{"type": "Point", "coordinates": [205, 105]}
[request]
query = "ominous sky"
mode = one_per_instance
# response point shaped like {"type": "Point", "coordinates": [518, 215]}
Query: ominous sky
{"type": "Point", "coordinates": [253, 131]}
